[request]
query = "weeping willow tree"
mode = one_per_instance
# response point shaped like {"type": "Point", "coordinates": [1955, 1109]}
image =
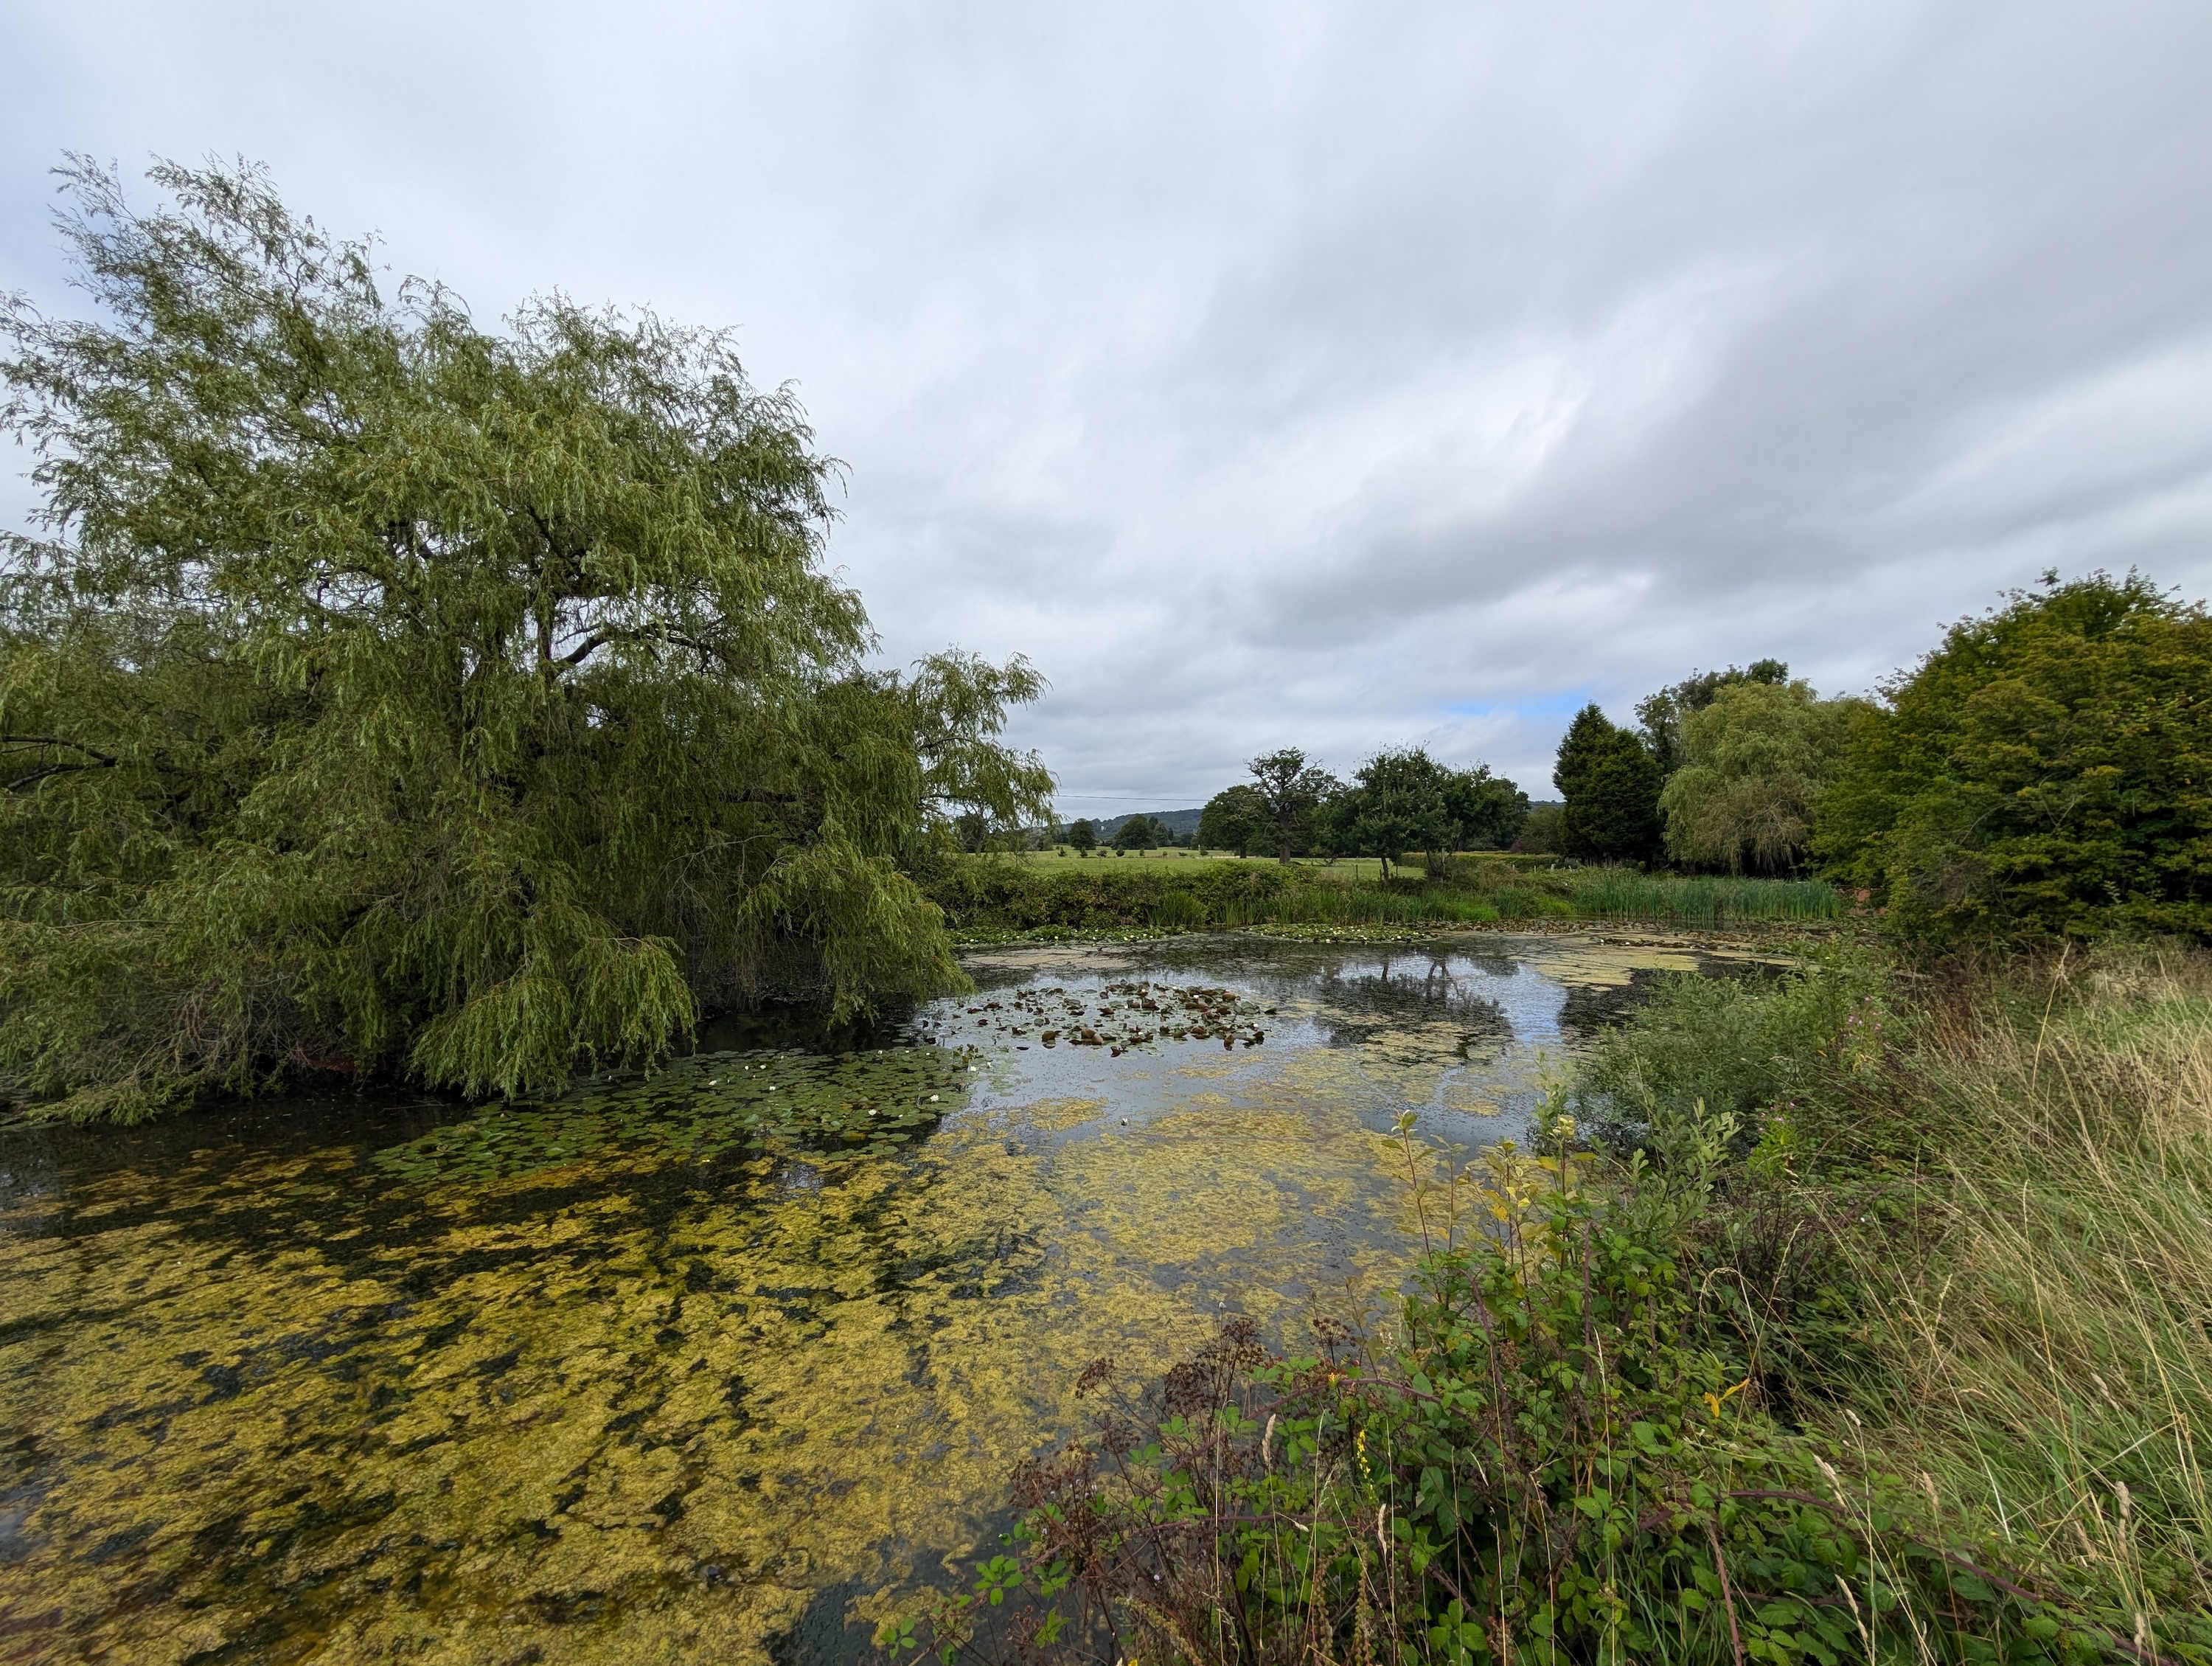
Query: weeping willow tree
{"type": "Point", "coordinates": [386, 694]}
{"type": "Point", "coordinates": [1755, 759]}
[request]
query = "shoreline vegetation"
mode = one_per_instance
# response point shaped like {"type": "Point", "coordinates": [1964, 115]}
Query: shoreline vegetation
{"type": "Point", "coordinates": [1006, 898]}
{"type": "Point", "coordinates": [1855, 1314]}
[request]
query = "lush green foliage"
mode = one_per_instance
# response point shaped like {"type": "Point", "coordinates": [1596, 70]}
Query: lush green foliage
{"type": "Point", "coordinates": [1011, 893]}
{"type": "Point", "coordinates": [1788, 1381]}
{"type": "Point", "coordinates": [1612, 893]}
{"type": "Point", "coordinates": [1405, 801]}
{"type": "Point", "coordinates": [1611, 784]}
{"type": "Point", "coordinates": [1084, 835]}
{"type": "Point", "coordinates": [1291, 793]}
{"type": "Point", "coordinates": [1663, 715]}
{"type": "Point", "coordinates": [998, 895]}
{"type": "Point", "coordinates": [1141, 833]}
{"type": "Point", "coordinates": [1395, 804]}
{"type": "Point", "coordinates": [1755, 758]}
{"type": "Point", "coordinates": [385, 693]}
{"type": "Point", "coordinates": [2046, 771]}
{"type": "Point", "coordinates": [1541, 831]}
{"type": "Point", "coordinates": [1399, 802]}
{"type": "Point", "coordinates": [1236, 819]}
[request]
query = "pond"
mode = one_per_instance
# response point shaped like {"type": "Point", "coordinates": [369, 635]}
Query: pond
{"type": "Point", "coordinates": [712, 1365]}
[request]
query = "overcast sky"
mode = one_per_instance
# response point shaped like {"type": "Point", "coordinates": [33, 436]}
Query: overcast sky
{"type": "Point", "coordinates": [1338, 376]}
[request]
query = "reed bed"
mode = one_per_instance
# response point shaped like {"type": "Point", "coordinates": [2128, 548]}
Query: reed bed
{"type": "Point", "coordinates": [1667, 899]}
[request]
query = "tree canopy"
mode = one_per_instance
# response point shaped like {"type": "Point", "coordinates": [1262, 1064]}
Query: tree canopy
{"type": "Point", "coordinates": [1664, 714]}
{"type": "Point", "coordinates": [1141, 832]}
{"type": "Point", "coordinates": [1610, 781]}
{"type": "Point", "coordinates": [1292, 791]}
{"type": "Point", "coordinates": [1488, 812]}
{"type": "Point", "coordinates": [379, 692]}
{"type": "Point", "coordinates": [1405, 800]}
{"type": "Point", "coordinates": [1754, 759]}
{"type": "Point", "coordinates": [1236, 819]}
{"type": "Point", "coordinates": [2046, 771]}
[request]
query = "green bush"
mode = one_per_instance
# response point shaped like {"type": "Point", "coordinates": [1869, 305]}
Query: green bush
{"type": "Point", "coordinates": [1724, 1050]}
{"type": "Point", "coordinates": [2046, 772]}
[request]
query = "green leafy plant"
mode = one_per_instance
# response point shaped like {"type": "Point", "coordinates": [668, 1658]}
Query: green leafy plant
{"type": "Point", "coordinates": [2046, 773]}
{"type": "Point", "coordinates": [382, 693]}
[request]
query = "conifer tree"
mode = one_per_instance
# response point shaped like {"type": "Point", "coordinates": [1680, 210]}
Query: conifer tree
{"type": "Point", "coordinates": [1611, 784]}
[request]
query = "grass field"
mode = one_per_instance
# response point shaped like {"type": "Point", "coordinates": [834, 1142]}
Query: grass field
{"type": "Point", "coordinates": [1345, 870]}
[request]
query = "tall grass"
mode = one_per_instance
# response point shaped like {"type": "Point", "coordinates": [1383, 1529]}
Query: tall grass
{"type": "Point", "coordinates": [1668, 899]}
{"type": "Point", "coordinates": [2043, 1336]}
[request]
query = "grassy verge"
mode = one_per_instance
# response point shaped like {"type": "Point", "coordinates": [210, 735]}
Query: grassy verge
{"type": "Point", "coordinates": [1015, 895]}
{"type": "Point", "coordinates": [1871, 1325]}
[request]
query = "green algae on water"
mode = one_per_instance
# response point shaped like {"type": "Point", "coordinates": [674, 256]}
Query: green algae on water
{"type": "Point", "coordinates": [702, 1107]}
{"type": "Point", "coordinates": [679, 1366]}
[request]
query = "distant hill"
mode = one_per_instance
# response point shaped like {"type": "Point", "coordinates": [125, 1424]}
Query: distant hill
{"type": "Point", "coordinates": [1180, 823]}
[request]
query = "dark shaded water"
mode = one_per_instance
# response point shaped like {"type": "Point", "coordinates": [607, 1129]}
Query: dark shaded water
{"type": "Point", "coordinates": [714, 1366]}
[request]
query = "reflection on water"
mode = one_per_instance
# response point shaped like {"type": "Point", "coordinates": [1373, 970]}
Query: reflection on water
{"type": "Point", "coordinates": [716, 1363]}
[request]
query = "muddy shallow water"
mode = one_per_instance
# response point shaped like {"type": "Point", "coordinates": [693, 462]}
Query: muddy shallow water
{"type": "Point", "coordinates": [710, 1366]}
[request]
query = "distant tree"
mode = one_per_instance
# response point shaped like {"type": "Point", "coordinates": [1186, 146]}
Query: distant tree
{"type": "Point", "coordinates": [1540, 833]}
{"type": "Point", "coordinates": [1235, 818]}
{"type": "Point", "coordinates": [1139, 832]}
{"type": "Point", "coordinates": [1754, 761]}
{"type": "Point", "coordinates": [1397, 801]}
{"type": "Point", "coordinates": [1611, 783]}
{"type": "Point", "coordinates": [2046, 771]}
{"type": "Point", "coordinates": [1293, 790]}
{"type": "Point", "coordinates": [1488, 809]}
{"type": "Point", "coordinates": [1662, 714]}
{"type": "Point", "coordinates": [1084, 835]}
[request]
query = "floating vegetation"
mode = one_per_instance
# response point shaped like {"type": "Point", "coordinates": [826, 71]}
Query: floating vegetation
{"type": "Point", "coordinates": [984, 937]}
{"type": "Point", "coordinates": [701, 1107]}
{"type": "Point", "coordinates": [1122, 1016]}
{"type": "Point", "coordinates": [694, 1365]}
{"type": "Point", "coordinates": [1320, 932]}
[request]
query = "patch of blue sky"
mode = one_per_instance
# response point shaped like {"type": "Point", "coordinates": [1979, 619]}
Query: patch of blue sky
{"type": "Point", "coordinates": [1562, 704]}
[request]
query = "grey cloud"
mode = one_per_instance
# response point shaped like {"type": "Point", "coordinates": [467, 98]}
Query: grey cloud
{"type": "Point", "coordinates": [1347, 375]}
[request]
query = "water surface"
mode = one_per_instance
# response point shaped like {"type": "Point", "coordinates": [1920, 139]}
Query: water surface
{"type": "Point", "coordinates": [714, 1366]}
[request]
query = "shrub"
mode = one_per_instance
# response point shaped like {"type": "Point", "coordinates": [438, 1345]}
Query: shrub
{"type": "Point", "coordinates": [2046, 772]}
{"type": "Point", "coordinates": [1554, 1462]}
